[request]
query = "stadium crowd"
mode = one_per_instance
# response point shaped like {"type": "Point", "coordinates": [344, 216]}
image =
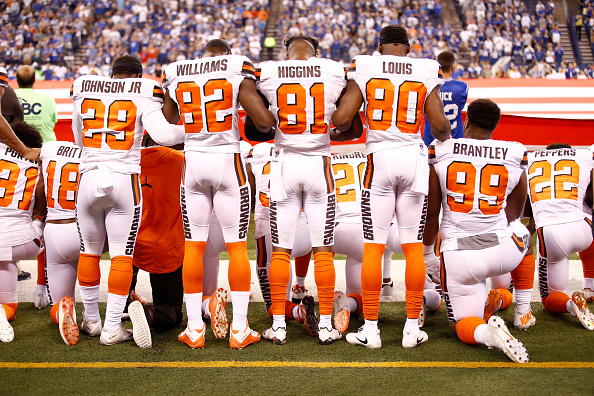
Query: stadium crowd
{"type": "Point", "coordinates": [499, 39]}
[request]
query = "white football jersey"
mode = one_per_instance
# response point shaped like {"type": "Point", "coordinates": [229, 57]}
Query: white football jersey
{"type": "Point", "coordinates": [394, 90]}
{"type": "Point", "coordinates": [558, 181]}
{"type": "Point", "coordinates": [260, 158]}
{"type": "Point", "coordinates": [60, 161]}
{"type": "Point", "coordinates": [3, 77]}
{"type": "Point", "coordinates": [206, 91]}
{"type": "Point", "coordinates": [18, 181]}
{"type": "Point", "coordinates": [109, 118]}
{"type": "Point", "coordinates": [302, 96]}
{"type": "Point", "coordinates": [348, 171]}
{"type": "Point", "coordinates": [475, 176]}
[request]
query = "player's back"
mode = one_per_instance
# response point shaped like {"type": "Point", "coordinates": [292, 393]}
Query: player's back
{"type": "Point", "coordinates": [348, 175]}
{"type": "Point", "coordinates": [18, 180]}
{"type": "Point", "coordinates": [453, 94]}
{"type": "Point", "coordinates": [206, 91]}
{"type": "Point", "coordinates": [302, 96]}
{"type": "Point", "coordinates": [558, 181]}
{"type": "Point", "coordinates": [394, 90]}
{"type": "Point", "coordinates": [60, 161]}
{"type": "Point", "coordinates": [107, 119]}
{"type": "Point", "coordinates": [475, 177]}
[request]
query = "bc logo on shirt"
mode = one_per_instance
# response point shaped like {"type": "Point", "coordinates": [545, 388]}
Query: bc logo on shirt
{"type": "Point", "coordinates": [30, 108]}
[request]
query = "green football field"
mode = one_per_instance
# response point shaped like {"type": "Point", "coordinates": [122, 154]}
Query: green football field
{"type": "Point", "coordinates": [561, 354]}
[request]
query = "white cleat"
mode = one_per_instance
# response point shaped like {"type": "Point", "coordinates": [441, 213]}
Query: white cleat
{"type": "Point", "coordinates": [277, 336]}
{"type": "Point", "coordinates": [498, 336]}
{"type": "Point", "coordinates": [92, 329]}
{"type": "Point", "coordinates": [524, 321]}
{"type": "Point", "coordinates": [342, 314]}
{"type": "Point", "coordinates": [579, 307]}
{"type": "Point", "coordinates": [411, 340]}
{"type": "Point", "coordinates": [368, 340]}
{"type": "Point", "coordinates": [67, 321]}
{"type": "Point", "coordinates": [141, 330]}
{"type": "Point", "coordinates": [328, 336]}
{"type": "Point", "coordinates": [6, 331]}
{"type": "Point", "coordinates": [112, 338]}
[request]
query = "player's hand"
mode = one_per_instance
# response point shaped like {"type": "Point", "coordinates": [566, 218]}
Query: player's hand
{"type": "Point", "coordinates": [40, 298]}
{"type": "Point", "coordinates": [432, 267]}
{"type": "Point", "coordinates": [32, 154]}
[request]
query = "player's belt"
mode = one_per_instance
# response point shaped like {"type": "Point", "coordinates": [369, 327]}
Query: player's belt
{"type": "Point", "coordinates": [64, 221]}
{"type": "Point", "coordinates": [478, 242]}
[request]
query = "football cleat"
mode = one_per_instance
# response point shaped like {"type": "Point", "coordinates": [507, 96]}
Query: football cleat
{"type": "Point", "coordinates": [388, 289]}
{"type": "Point", "coordinates": [112, 338]}
{"type": "Point", "coordinates": [328, 336]}
{"type": "Point", "coordinates": [6, 331]}
{"type": "Point", "coordinates": [92, 329]}
{"type": "Point", "coordinates": [341, 312]}
{"type": "Point", "coordinates": [218, 315]}
{"type": "Point", "coordinates": [277, 336]}
{"type": "Point", "coordinates": [492, 305]}
{"type": "Point", "coordinates": [141, 330]}
{"type": "Point", "coordinates": [67, 321]}
{"type": "Point", "coordinates": [194, 338]}
{"type": "Point", "coordinates": [524, 321]}
{"type": "Point", "coordinates": [240, 339]}
{"type": "Point", "coordinates": [589, 295]}
{"type": "Point", "coordinates": [366, 339]}
{"type": "Point", "coordinates": [498, 336]}
{"type": "Point", "coordinates": [40, 297]}
{"type": "Point", "coordinates": [411, 340]}
{"type": "Point", "coordinates": [579, 307]}
{"type": "Point", "coordinates": [311, 320]}
{"type": "Point", "coordinates": [423, 314]}
{"type": "Point", "coordinates": [298, 293]}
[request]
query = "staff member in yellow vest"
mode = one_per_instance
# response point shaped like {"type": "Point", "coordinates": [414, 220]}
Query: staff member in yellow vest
{"type": "Point", "coordinates": [39, 107]}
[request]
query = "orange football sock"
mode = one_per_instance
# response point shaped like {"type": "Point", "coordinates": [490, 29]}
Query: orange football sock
{"type": "Point", "coordinates": [523, 275]}
{"type": "Point", "coordinates": [193, 271]}
{"type": "Point", "coordinates": [371, 279]}
{"type": "Point", "coordinates": [120, 275]}
{"type": "Point", "coordinates": [414, 278]}
{"type": "Point", "coordinates": [587, 257]}
{"type": "Point", "coordinates": [54, 312]}
{"type": "Point", "coordinates": [239, 267]}
{"type": "Point", "coordinates": [359, 302]}
{"type": "Point", "coordinates": [89, 272]}
{"type": "Point", "coordinates": [10, 310]}
{"type": "Point", "coordinates": [279, 275]}
{"type": "Point", "coordinates": [302, 265]}
{"type": "Point", "coordinates": [466, 327]}
{"type": "Point", "coordinates": [325, 276]}
{"type": "Point", "coordinates": [556, 302]}
{"type": "Point", "coordinates": [41, 269]}
{"type": "Point", "coordinates": [506, 298]}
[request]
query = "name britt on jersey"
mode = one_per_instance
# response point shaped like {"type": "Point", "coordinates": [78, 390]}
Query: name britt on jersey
{"type": "Point", "coordinates": [109, 86]}
{"type": "Point", "coordinates": [201, 68]}
{"type": "Point", "coordinates": [397, 68]}
{"type": "Point", "coordinates": [480, 151]}
{"type": "Point", "coordinates": [72, 152]}
{"type": "Point", "coordinates": [299, 71]}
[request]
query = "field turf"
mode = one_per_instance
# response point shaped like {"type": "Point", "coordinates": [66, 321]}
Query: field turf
{"type": "Point", "coordinates": [561, 353]}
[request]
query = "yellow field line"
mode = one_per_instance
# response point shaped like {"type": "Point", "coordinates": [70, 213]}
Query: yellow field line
{"type": "Point", "coordinates": [266, 364]}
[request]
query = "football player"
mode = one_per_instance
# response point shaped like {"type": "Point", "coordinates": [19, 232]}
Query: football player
{"type": "Point", "coordinates": [20, 237]}
{"type": "Point", "coordinates": [480, 184]}
{"type": "Point", "coordinates": [559, 177]}
{"type": "Point", "coordinates": [453, 94]}
{"type": "Point", "coordinates": [302, 92]}
{"type": "Point", "coordinates": [397, 92]}
{"type": "Point", "coordinates": [109, 117]}
{"type": "Point", "coordinates": [206, 93]}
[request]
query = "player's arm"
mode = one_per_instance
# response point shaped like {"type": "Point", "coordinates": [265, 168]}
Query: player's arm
{"type": "Point", "coordinates": [40, 207]}
{"type": "Point", "coordinates": [433, 209]}
{"type": "Point", "coordinates": [253, 134]}
{"type": "Point", "coordinates": [440, 126]}
{"type": "Point", "coordinates": [354, 132]}
{"type": "Point", "coordinates": [159, 128]}
{"type": "Point", "coordinates": [253, 105]}
{"type": "Point", "coordinates": [170, 109]}
{"type": "Point", "coordinates": [516, 199]}
{"type": "Point", "coordinates": [349, 107]}
{"type": "Point", "coordinates": [8, 137]}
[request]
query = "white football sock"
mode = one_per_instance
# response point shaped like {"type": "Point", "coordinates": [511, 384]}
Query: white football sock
{"type": "Point", "coordinates": [240, 300]}
{"type": "Point", "coordinates": [294, 312]}
{"type": "Point", "coordinates": [278, 321]}
{"type": "Point", "coordinates": [205, 310]}
{"type": "Point", "coordinates": [353, 304]}
{"type": "Point", "coordinates": [370, 326]}
{"type": "Point", "coordinates": [113, 313]}
{"type": "Point", "coordinates": [479, 333]}
{"type": "Point", "coordinates": [588, 283]}
{"type": "Point", "coordinates": [194, 310]}
{"type": "Point", "coordinates": [300, 280]}
{"type": "Point", "coordinates": [523, 297]}
{"type": "Point", "coordinates": [568, 307]}
{"type": "Point", "coordinates": [412, 325]}
{"type": "Point", "coordinates": [325, 321]}
{"type": "Point", "coordinates": [90, 299]}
